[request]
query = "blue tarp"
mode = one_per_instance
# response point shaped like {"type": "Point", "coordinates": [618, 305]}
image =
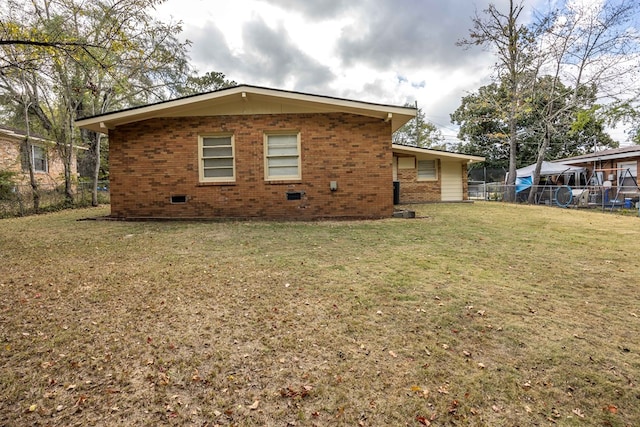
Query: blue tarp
{"type": "Point", "coordinates": [522, 183]}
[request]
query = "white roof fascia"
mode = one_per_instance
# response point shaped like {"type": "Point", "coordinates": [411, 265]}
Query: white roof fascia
{"type": "Point", "coordinates": [605, 157]}
{"type": "Point", "coordinates": [437, 153]}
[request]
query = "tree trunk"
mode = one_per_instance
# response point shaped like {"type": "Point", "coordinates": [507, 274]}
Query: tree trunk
{"type": "Point", "coordinates": [510, 193]}
{"type": "Point", "coordinates": [535, 178]}
{"type": "Point", "coordinates": [67, 159]}
{"type": "Point", "coordinates": [28, 151]}
{"type": "Point", "coordinates": [32, 176]}
{"type": "Point", "coordinates": [95, 151]}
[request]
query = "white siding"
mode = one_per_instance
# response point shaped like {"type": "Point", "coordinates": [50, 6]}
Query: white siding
{"type": "Point", "coordinates": [451, 181]}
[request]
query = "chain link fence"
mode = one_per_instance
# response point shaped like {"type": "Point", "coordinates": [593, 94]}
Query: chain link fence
{"type": "Point", "coordinates": [17, 200]}
{"type": "Point", "coordinates": [592, 196]}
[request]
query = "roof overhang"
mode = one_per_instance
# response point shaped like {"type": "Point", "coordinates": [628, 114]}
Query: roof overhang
{"type": "Point", "coordinates": [597, 158]}
{"type": "Point", "coordinates": [13, 134]}
{"type": "Point", "coordinates": [426, 153]}
{"type": "Point", "coordinates": [21, 136]}
{"type": "Point", "coordinates": [248, 100]}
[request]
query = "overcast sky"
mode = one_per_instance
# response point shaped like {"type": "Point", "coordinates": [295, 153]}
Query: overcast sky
{"type": "Point", "coordinates": [385, 51]}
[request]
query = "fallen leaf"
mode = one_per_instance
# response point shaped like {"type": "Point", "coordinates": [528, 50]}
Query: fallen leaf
{"type": "Point", "coordinates": [423, 420]}
{"type": "Point", "coordinates": [611, 408]}
{"type": "Point", "coordinates": [254, 405]}
{"type": "Point", "coordinates": [33, 407]}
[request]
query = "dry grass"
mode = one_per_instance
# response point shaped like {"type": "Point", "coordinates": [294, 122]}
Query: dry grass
{"type": "Point", "coordinates": [484, 314]}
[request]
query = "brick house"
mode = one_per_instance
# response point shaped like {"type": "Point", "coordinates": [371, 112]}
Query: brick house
{"type": "Point", "coordinates": [618, 166]}
{"type": "Point", "coordinates": [249, 151]}
{"type": "Point", "coordinates": [48, 165]}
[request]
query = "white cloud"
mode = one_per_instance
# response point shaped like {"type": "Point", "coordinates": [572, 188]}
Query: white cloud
{"type": "Point", "coordinates": [380, 51]}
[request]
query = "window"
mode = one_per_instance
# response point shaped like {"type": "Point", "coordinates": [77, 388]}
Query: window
{"type": "Point", "coordinates": [282, 156]}
{"type": "Point", "coordinates": [38, 159]}
{"type": "Point", "coordinates": [628, 176]}
{"type": "Point", "coordinates": [427, 170]}
{"type": "Point", "coordinates": [217, 161]}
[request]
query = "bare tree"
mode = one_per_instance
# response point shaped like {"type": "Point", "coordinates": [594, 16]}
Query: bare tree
{"type": "Point", "coordinates": [511, 42]}
{"type": "Point", "coordinates": [584, 46]}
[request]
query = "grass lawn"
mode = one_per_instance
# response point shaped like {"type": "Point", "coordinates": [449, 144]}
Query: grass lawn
{"type": "Point", "coordinates": [475, 315]}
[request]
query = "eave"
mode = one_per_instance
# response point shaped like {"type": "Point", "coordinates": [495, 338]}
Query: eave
{"type": "Point", "coordinates": [426, 153]}
{"type": "Point", "coordinates": [248, 100]}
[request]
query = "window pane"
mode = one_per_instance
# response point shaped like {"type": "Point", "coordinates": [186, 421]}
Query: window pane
{"type": "Point", "coordinates": [283, 140]}
{"type": "Point", "coordinates": [283, 161]}
{"type": "Point", "coordinates": [39, 158]}
{"type": "Point", "coordinates": [283, 171]}
{"type": "Point", "coordinates": [218, 173]}
{"type": "Point", "coordinates": [216, 142]}
{"type": "Point", "coordinates": [218, 163]}
{"type": "Point", "coordinates": [282, 151]}
{"type": "Point", "coordinates": [217, 152]}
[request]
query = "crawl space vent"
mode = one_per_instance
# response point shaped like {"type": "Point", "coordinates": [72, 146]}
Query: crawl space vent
{"type": "Point", "coordinates": [295, 195]}
{"type": "Point", "coordinates": [178, 199]}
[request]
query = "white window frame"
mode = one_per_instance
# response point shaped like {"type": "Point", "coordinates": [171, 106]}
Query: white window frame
{"type": "Point", "coordinates": [269, 157]}
{"type": "Point", "coordinates": [44, 160]}
{"type": "Point", "coordinates": [432, 171]}
{"type": "Point", "coordinates": [202, 158]}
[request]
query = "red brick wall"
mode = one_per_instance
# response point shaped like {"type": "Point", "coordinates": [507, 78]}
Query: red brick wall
{"type": "Point", "coordinates": [152, 160]}
{"type": "Point", "coordinates": [414, 191]}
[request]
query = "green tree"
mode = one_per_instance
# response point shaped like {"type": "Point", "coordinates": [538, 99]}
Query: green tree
{"type": "Point", "coordinates": [582, 47]}
{"type": "Point", "coordinates": [483, 125]}
{"type": "Point", "coordinates": [84, 58]}
{"type": "Point", "coordinates": [512, 43]}
{"type": "Point", "coordinates": [209, 81]}
{"type": "Point", "coordinates": [419, 132]}
{"type": "Point", "coordinates": [482, 118]}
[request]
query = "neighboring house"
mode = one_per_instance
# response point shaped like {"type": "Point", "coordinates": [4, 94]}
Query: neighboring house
{"type": "Point", "coordinates": [249, 151]}
{"type": "Point", "coordinates": [426, 175]}
{"type": "Point", "coordinates": [47, 163]}
{"type": "Point", "coordinates": [617, 167]}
